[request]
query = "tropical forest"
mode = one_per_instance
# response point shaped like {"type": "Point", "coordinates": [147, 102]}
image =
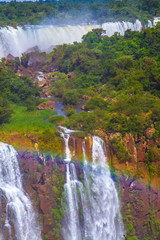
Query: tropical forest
{"type": "Point", "coordinates": [80, 120]}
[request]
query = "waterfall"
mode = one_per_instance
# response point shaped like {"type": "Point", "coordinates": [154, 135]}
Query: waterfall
{"type": "Point", "coordinates": [92, 210]}
{"type": "Point", "coordinates": [18, 40]}
{"type": "Point", "coordinates": [18, 220]}
{"type": "Point", "coordinates": [121, 27]}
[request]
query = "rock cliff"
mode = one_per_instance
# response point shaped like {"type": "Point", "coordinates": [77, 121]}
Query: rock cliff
{"type": "Point", "coordinates": [44, 182]}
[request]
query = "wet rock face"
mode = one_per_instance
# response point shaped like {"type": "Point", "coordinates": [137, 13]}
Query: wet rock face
{"type": "Point", "coordinates": [143, 204]}
{"type": "Point", "coordinates": [44, 185]}
{"type": "Point", "coordinates": [40, 183]}
{"type": "Point", "coordinates": [130, 144]}
{"type": "Point", "coordinates": [75, 145]}
{"type": "Point", "coordinates": [4, 231]}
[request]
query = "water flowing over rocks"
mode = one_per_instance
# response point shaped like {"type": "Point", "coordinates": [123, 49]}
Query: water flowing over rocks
{"type": "Point", "coordinates": [40, 181]}
{"type": "Point", "coordinates": [92, 208]}
{"type": "Point", "coordinates": [16, 41]}
{"type": "Point", "coordinates": [18, 220]}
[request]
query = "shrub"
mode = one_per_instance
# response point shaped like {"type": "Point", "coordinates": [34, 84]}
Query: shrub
{"type": "Point", "coordinates": [5, 110]}
{"type": "Point", "coordinates": [56, 119]}
{"type": "Point", "coordinates": [96, 102]}
{"type": "Point", "coordinates": [70, 112]}
{"type": "Point", "coordinates": [120, 150]}
{"type": "Point", "coordinates": [129, 224]}
{"type": "Point", "coordinates": [125, 62]}
{"type": "Point", "coordinates": [83, 121]}
{"type": "Point", "coordinates": [50, 141]}
{"type": "Point", "coordinates": [70, 97]}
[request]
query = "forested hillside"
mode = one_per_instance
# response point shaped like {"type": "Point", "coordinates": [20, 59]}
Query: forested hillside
{"type": "Point", "coordinates": [65, 12]}
{"type": "Point", "coordinates": [119, 74]}
{"type": "Point", "coordinates": [116, 82]}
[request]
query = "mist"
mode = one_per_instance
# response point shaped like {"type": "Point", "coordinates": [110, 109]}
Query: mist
{"type": "Point", "coordinates": [79, 13]}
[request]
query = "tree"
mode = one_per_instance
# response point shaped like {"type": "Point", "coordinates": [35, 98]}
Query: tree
{"type": "Point", "coordinates": [70, 97]}
{"type": "Point", "coordinates": [91, 38]}
{"type": "Point", "coordinates": [5, 110]}
{"type": "Point", "coordinates": [24, 60]}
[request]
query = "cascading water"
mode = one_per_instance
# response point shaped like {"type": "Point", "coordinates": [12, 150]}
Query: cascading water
{"type": "Point", "coordinates": [92, 210]}
{"type": "Point", "coordinates": [18, 40]}
{"type": "Point", "coordinates": [121, 27]}
{"type": "Point", "coordinates": [18, 220]}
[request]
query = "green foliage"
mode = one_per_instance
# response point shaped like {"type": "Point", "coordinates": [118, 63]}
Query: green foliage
{"type": "Point", "coordinates": [56, 119]}
{"type": "Point", "coordinates": [81, 134]}
{"type": "Point", "coordinates": [31, 103]}
{"type": "Point", "coordinates": [129, 225]}
{"type": "Point", "coordinates": [120, 150]}
{"type": "Point", "coordinates": [45, 236]}
{"type": "Point", "coordinates": [125, 62]}
{"type": "Point", "coordinates": [57, 188]}
{"type": "Point", "coordinates": [83, 121]}
{"type": "Point", "coordinates": [119, 123]}
{"type": "Point", "coordinates": [17, 89]}
{"type": "Point", "coordinates": [70, 97]}
{"type": "Point", "coordinates": [27, 122]}
{"type": "Point", "coordinates": [14, 13]}
{"type": "Point", "coordinates": [70, 112]}
{"type": "Point", "coordinates": [91, 39]}
{"type": "Point", "coordinates": [151, 227]}
{"type": "Point", "coordinates": [120, 76]}
{"type": "Point", "coordinates": [50, 141]}
{"type": "Point", "coordinates": [149, 163]}
{"type": "Point", "coordinates": [96, 102]}
{"type": "Point", "coordinates": [5, 110]}
{"type": "Point", "coordinates": [86, 81]}
{"type": "Point", "coordinates": [24, 60]}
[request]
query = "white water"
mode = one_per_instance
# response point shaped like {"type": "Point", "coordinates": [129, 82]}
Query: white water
{"type": "Point", "coordinates": [92, 209]}
{"type": "Point", "coordinates": [18, 40]}
{"type": "Point", "coordinates": [19, 213]}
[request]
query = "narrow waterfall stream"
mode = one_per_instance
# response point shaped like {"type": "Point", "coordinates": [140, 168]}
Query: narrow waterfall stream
{"type": "Point", "coordinates": [18, 220]}
{"type": "Point", "coordinates": [92, 209]}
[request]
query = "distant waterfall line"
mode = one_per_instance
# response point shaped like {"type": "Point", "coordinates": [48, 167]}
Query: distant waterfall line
{"type": "Point", "coordinates": [16, 41]}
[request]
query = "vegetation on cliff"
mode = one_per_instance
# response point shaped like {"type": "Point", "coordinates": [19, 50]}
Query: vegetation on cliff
{"type": "Point", "coordinates": [15, 89]}
{"type": "Point", "coordinates": [117, 76]}
{"type": "Point", "coordinates": [19, 115]}
{"type": "Point", "coordinates": [51, 11]}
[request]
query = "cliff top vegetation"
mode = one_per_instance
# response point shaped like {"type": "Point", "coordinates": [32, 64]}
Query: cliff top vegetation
{"type": "Point", "coordinates": [72, 12]}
